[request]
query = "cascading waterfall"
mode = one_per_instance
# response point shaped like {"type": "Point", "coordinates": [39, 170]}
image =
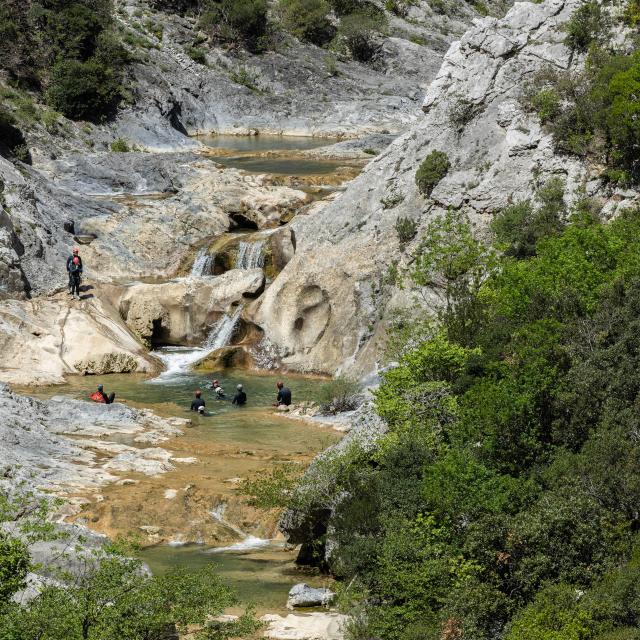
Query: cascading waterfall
{"type": "Point", "coordinates": [204, 263]}
{"type": "Point", "coordinates": [178, 360]}
{"type": "Point", "coordinates": [250, 255]}
{"type": "Point", "coordinates": [222, 331]}
{"type": "Point", "coordinates": [246, 543]}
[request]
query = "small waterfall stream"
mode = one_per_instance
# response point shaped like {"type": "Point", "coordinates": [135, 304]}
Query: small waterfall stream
{"type": "Point", "coordinates": [204, 263]}
{"type": "Point", "coordinates": [246, 543]}
{"type": "Point", "coordinates": [250, 255]}
{"type": "Point", "coordinates": [178, 360]}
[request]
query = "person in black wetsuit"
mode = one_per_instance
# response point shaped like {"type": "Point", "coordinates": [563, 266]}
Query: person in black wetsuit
{"type": "Point", "coordinates": [108, 399]}
{"type": "Point", "coordinates": [240, 398]}
{"type": "Point", "coordinates": [75, 272]}
{"type": "Point", "coordinates": [198, 403]}
{"type": "Point", "coordinates": [75, 254]}
{"type": "Point", "coordinates": [284, 396]}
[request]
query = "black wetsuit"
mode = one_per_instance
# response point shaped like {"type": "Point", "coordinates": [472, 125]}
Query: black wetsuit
{"type": "Point", "coordinates": [197, 403]}
{"type": "Point", "coordinates": [284, 396]}
{"type": "Point", "coordinates": [108, 399]}
{"type": "Point", "coordinates": [240, 398]}
{"type": "Point", "coordinates": [69, 266]}
{"type": "Point", "coordinates": [74, 278]}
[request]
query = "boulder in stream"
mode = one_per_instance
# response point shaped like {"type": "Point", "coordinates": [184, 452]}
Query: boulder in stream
{"type": "Point", "coordinates": [302, 595]}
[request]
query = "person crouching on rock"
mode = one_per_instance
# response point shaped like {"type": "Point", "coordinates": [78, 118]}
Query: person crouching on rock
{"type": "Point", "coordinates": [101, 396]}
{"type": "Point", "coordinates": [198, 403]}
{"type": "Point", "coordinates": [240, 398]}
{"type": "Point", "coordinates": [283, 398]}
{"type": "Point", "coordinates": [74, 275]}
{"type": "Point", "coordinates": [74, 254]}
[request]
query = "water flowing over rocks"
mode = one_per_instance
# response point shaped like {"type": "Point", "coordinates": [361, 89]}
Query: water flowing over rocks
{"type": "Point", "coordinates": [181, 311]}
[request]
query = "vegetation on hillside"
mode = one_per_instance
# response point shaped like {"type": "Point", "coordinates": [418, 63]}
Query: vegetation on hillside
{"type": "Point", "coordinates": [594, 113]}
{"type": "Point", "coordinates": [68, 51]}
{"type": "Point", "coordinates": [502, 502]}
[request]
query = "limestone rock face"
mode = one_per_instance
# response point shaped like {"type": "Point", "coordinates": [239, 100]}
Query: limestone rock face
{"type": "Point", "coordinates": [43, 340]}
{"type": "Point", "coordinates": [330, 306]}
{"type": "Point", "coordinates": [33, 445]}
{"type": "Point", "coordinates": [302, 89]}
{"type": "Point", "coordinates": [181, 311]}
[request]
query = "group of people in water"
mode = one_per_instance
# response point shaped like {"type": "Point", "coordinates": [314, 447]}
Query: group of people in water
{"type": "Point", "coordinates": [283, 398]}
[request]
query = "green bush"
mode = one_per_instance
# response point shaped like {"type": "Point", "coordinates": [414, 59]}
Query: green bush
{"type": "Point", "coordinates": [84, 90]}
{"type": "Point", "coordinates": [595, 113]}
{"type": "Point", "coordinates": [555, 615]}
{"type": "Point", "coordinates": [520, 227]}
{"type": "Point", "coordinates": [431, 170]}
{"type": "Point", "coordinates": [345, 7]}
{"type": "Point", "coordinates": [340, 394]}
{"type": "Point", "coordinates": [307, 20]}
{"type": "Point", "coordinates": [196, 54]}
{"type": "Point", "coordinates": [247, 18]}
{"type": "Point", "coordinates": [14, 566]}
{"type": "Point", "coordinates": [70, 48]}
{"type": "Point", "coordinates": [120, 146]}
{"type": "Point", "coordinates": [406, 229]}
{"type": "Point", "coordinates": [587, 25]}
{"type": "Point", "coordinates": [358, 31]}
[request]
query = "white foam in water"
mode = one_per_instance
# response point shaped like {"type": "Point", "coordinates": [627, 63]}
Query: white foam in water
{"type": "Point", "coordinates": [248, 544]}
{"type": "Point", "coordinates": [250, 255]}
{"type": "Point", "coordinates": [203, 264]}
{"type": "Point", "coordinates": [179, 360]}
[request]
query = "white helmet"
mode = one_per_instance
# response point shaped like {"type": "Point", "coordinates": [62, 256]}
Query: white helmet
{"type": "Point", "coordinates": [239, 387]}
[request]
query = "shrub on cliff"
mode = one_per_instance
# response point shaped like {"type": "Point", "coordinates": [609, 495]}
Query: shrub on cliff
{"type": "Point", "coordinates": [596, 113]}
{"type": "Point", "coordinates": [358, 31]}
{"type": "Point", "coordinates": [431, 170]}
{"type": "Point", "coordinates": [588, 24]}
{"type": "Point", "coordinates": [84, 90]}
{"type": "Point", "coordinates": [307, 20]}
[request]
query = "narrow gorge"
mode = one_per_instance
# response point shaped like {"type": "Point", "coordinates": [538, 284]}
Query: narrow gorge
{"type": "Point", "coordinates": [350, 196]}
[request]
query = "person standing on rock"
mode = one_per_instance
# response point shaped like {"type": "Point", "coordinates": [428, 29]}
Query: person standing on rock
{"type": "Point", "coordinates": [74, 254]}
{"type": "Point", "coordinates": [198, 403]}
{"type": "Point", "coordinates": [283, 398]}
{"type": "Point", "coordinates": [240, 398]}
{"type": "Point", "coordinates": [74, 277]}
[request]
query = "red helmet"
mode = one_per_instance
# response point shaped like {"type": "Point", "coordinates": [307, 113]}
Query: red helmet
{"type": "Point", "coordinates": [76, 250]}
{"type": "Point", "coordinates": [198, 393]}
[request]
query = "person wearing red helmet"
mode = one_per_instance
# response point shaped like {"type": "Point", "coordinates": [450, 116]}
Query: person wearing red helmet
{"type": "Point", "coordinates": [74, 267]}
